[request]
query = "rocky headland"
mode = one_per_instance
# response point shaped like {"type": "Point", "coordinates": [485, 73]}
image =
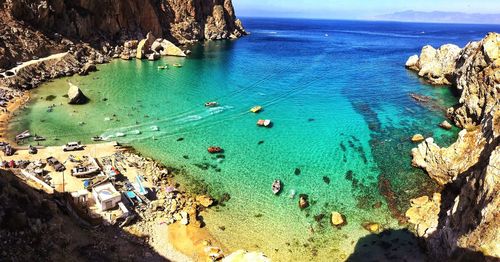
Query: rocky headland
{"type": "Point", "coordinates": [467, 223]}
{"type": "Point", "coordinates": [85, 33]}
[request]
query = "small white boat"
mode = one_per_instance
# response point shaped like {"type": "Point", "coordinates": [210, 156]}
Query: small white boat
{"type": "Point", "coordinates": [23, 135]}
{"type": "Point", "coordinates": [292, 193]}
{"type": "Point", "coordinates": [97, 138]}
{"type": "Point", "coordinates": [264, 123]}
{"type": "Point", "coordinates": [276, 186]}
{"type": "Point", "coordinates": [211, 104]}
{"type": "Point", "coordinates": [155, 128]}
{"type": "Point", "coordinates": [120, 134]}
{"type": "Point", "coordinates": [135, 132]}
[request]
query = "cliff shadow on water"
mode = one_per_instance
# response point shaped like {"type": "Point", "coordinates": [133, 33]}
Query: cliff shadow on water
{"type": "Point", "coordinates": [403, 245]}
{"type": "Point", "coordinates": [37, 226]}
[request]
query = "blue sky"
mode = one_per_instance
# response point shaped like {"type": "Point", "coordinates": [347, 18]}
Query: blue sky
{"type": "Point", "coordinates": [357, 9]}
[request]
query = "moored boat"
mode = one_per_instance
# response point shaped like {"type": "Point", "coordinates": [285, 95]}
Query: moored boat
{"type": "Point", "coordinates": [215, 150]}
{"type": "Point", "coordinates": [23, 135]}
{"type": "Point", "coordinates": [97, 138]}
{"type": "Point", "coordinates": [155, 128]}
{"type": "Point", "coordinates": [211, 104]}
{"type": "Point", "coordinates": [177, 65]}
{"type": "Point", "coordinates": [264, 123]}
{"type": "Point", "coordinates": [256, 109]}
{"type": "Point", "coordinates": [276, 186]}
{"type": "Point", "coordinates": [39, 138]}
{"type": "Point", "coordinates": [163, 67]}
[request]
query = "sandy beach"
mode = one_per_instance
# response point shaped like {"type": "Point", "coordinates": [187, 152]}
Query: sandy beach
{"type": "Point", "coordinates": [175, 242]}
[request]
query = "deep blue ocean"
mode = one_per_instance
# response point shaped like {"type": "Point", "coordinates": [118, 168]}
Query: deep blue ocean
{"type": "Point", "coordinates": [339, 97]}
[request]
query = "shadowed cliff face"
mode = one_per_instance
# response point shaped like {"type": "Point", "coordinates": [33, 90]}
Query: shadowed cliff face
{"type": "Point", "coordinates": [184, 21]}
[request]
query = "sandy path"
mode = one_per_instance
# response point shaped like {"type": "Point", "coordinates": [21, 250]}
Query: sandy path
{"type": "Point", "coordinates": [32, 62]}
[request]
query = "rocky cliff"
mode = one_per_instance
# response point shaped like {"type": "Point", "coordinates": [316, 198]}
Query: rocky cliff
{"type": "Point", "coordinates": [469, 218]}
{"type": "Point", "coordinates": [36, 27]}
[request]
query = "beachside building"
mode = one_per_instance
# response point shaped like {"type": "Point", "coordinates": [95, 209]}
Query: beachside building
{"type": "Point", "coordinates": [106, 196]}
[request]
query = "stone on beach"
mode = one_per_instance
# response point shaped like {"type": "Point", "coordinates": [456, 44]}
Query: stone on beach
{"type": "Point", "coordinates": [76, 96]}
{"type": "Point", "coordinates": [87, 68]}
{"type": "Point", "coordinates": [205, 200]}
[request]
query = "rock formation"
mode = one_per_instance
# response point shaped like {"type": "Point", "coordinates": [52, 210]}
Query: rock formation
{"type": "Point", "coordinates": [469, 169]}
{"type": "Point", "coordinates": [435, 65]}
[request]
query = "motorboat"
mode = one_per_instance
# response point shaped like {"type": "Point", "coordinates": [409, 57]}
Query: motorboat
{"type": "Point", "coordinates": [135, 132]}
{"type": "Point", "coordinates": [256, 109]}
{"type": "Point", "coordinates": [97, 138]}
{"type": "Point", "coordinates": [177, 65]}
{"type": "Point", "coordinates": [211, 104]}
{"type": "Point", "coordinates": [23, 135]}
{"type": "Point", "coordinates": [276, 186]}
{"type": "Point", "coordinates": [215, 150]}
{"type": "Point", "coordinates": [155, 128]}
{"type": "Point", "coordinates": [264, 123]}
{"type": "Point", "coordinates": [39, 138]}
{"type": "Point", "coordinates": [163, 67]}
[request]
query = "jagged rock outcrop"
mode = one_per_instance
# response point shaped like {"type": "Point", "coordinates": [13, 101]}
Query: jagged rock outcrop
{"type": "Point", "coordinates": [435, 65]}
{"type": "Point", "coordinates": [477, 78]}
{"type": "Point", "coordinates": [424, 214]}
{"type": "Point", "coordinates": [469, 169]}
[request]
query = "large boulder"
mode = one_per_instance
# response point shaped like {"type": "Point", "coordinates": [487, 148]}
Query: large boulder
{"type": "Point", "coordinates": [144, 46]}
{"type": "Point", "coordinates": [76, 96]}
{"type": "Point", "coordinates": [87, 68]}
{"type": "Point", "coordinates": [424, 214]}
{"type": "Point", "coordinates": [166, 48]}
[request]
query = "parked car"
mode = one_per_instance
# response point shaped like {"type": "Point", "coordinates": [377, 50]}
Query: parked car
{"type": "Point", "coordinates": [58, 166]}
{"type": "Point", "coordinates": [8, 150]}
{"type": "Point", "coordinates": [73, 146]}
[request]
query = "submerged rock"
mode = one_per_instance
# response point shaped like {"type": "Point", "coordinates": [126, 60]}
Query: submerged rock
{"type": "Point", "coordinates": [337, 219]}
{"type": "Point", "coordinates": [76, 96]}
{"type": "Point", "coordinates": [417, 138]}
{"type": "Point", "coordinates": [445, 125]}
{"type": "Point", "coordinates": [303, 201]}
{"type": "Point", "coordinates": [372, 227]}
{"type": "Point", "coordinates": [205, 200]}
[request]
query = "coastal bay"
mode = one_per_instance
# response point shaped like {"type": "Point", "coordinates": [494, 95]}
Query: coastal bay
{"type": "Point", "coordinates": [328, 125]}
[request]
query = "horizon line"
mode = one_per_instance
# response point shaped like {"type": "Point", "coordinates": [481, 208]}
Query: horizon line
{"type": "Point", "coordinates": [368, 20]}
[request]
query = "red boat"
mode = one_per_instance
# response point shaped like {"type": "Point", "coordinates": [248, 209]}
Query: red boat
{"type": "Point", "coordinates": [214, 150]}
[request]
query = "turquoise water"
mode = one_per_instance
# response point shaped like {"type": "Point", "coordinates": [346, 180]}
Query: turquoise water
{"type": "Point", "coordinates": [338, 95]}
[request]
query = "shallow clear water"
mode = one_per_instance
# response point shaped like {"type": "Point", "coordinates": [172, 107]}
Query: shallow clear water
{"type": "Point", "coordinates": [338, 94]}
